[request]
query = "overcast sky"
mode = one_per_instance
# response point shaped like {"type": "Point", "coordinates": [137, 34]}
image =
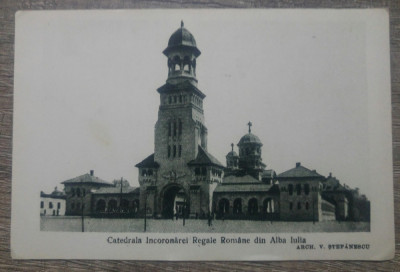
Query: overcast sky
{"type": "Point", "coordinates": [86, 90]}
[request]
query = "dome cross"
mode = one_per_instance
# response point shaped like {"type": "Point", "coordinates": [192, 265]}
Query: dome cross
{"type": "Point", "coordinates": [249, 124]}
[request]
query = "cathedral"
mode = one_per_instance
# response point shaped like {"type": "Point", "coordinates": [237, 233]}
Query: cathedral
{"type": "Point", "coordinates": [181, 178]}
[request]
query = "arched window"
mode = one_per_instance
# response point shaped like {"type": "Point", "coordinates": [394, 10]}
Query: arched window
{"type": "Point", "coordinates": [299, 205]}
{"type": "Point", "coordinates": [174, 151]}
{"type": "Point", "coordinates": [237, 206]}
{"type": "Point", "coordinates": [298, 189]}
{"type": "Point", "coordinates": [290, 189]}
{"type": "Point", "coordinates": [101, 206]}
{"type": "Point", "coordinates": [177, 67]}
{"type": "Point", "coordinates": [78, 192]}
{"type": "Point", "coordinates": [268, 205]}
{"type": "Point", "coordinates": [253, 206]}
{"type": "Point", "coordinates": [150, 172]}
{"type": "Point", "coordinates": [83, 192]}
{"type": "Point", "coordinates": [223, 206]}
{"type": "Point", "coordinates": [307, 206]}
{"type": "Point", "coordinates": [203, 171]}
{"type": "Point", "coordinates": [169, 151]}
{"type": "Point", "coordinates": [144, 173]}
{"type": "Point", "coordinates": [307, 189]}
{"type": "Point", "coordinates": [73, 192]}
{"type": "Point", "coordinates": [50, 205]}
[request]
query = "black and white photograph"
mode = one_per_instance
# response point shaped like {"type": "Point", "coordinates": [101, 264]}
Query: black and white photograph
{"type": "Point", "coordinates": [202, 135]}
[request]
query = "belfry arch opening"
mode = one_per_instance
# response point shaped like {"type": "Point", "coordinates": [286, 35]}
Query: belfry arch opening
{"type": "Point", "coordinates": [175, 202]}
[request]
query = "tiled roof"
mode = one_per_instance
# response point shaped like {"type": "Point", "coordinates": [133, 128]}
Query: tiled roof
{"type": "Point", "coordinates": [251, 187]}
{"type": "Point", "coordinates": [148, 162]}
{"type": "Point", "coordinates": [117, 190]}
{"type": "Point", "coordinates": [299, 172]}
{"type": "Point", "coordinates": [87, 178]}
{"type": "Point", "coordinates": [205, 158]}
{"type": "Point", "coordinates": [237, 179]}
{"type": "Point", "coordinates": [242, 183]}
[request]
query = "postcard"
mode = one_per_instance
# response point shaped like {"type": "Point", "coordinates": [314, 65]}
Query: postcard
{"type": "Point", "coordinates": [202, 135]}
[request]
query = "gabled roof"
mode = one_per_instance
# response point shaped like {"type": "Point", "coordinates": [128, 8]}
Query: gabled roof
{"type": "Point", "coordinates": [180, 86]}
{"type": "Point", "coordinates": [240, 179]}
{"type": "Point", "coordinates": [117, 190]}
{"type": "Point", "coordinates": [300, 172]}
{"type": "Point", "coordinates": [87, 178]}
{"type": "Point", "coordinates": [205, 158]}
{"type": "Point", "coordinates": [148, 163]}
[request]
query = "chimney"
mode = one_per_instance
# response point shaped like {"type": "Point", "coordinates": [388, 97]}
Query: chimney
{"type": "Point", "coordinates": [298, 164]}
{"type": "Point", "coordinates": [91, 172]}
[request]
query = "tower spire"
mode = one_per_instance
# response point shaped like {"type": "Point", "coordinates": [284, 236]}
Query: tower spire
{"type": "Point", "coordinates": [182, 25]}
{"type": "Point", "coordinates": [232, 146]}
{"type": "Point", "coordinates": [249, 124]}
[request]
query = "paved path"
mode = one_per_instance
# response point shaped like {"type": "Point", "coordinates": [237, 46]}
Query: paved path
{"type": "Point", "coordinates": [195, 226]}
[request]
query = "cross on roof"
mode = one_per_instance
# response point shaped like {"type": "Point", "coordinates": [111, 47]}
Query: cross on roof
{"type": "Point", "coordinates": [249, 124]}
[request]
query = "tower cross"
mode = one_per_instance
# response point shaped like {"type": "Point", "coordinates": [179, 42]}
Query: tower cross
{"type": "Point", "coordinates": [249, 124]}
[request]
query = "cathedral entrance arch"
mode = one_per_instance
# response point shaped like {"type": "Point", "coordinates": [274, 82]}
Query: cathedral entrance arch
{"type": "Point", "coordinates": [174, 201]}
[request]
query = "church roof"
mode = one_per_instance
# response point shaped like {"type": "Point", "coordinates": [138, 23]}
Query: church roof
{"type": "Point", "coordinates": [300, 172]}
{"type": "Point", "coordinates": [205, 158]}
{"type": "Point", "coordinates": [180, 86]}
{"type": "Point", "coordinates": [87, 178]}
{"type": "Point", "coordinates": [182, 38]}
{"type": "Point", "coordinates": [148, 163]}
{"type": "Point", "coordinates": [250, 138]}
{"type": "Point", "coordinates": [117, 190]}
{"type": "Point", "coordinates": [232, 154]}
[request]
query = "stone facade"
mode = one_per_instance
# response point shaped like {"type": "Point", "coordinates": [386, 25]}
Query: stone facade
{"type": "Point", "coordinates": [52, 204]}
{"type": "Point", "coordinates": [180, 162]}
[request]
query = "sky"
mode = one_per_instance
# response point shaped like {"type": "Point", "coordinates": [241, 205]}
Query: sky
{"type": "Point", "coordinates": [86, 99]}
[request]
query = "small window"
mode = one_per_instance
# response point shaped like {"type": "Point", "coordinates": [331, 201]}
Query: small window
{"type": "Point", "coordinates": [174, 128]}
{"type": "Point", "coordinates": [298, 205]}
{"type": "Point", "coordinates": [73, 192]}
{"type": "Point", "coordinates": [290, 205]}
{"type": "Point", "coordinates": [175, 99]}
{"type": "Point", "coordinates": [169, 128]}
{"type": "Point", "coordinates": [50, 205]}
{"type": "Point", "coordinates": [169, 99]}
{"type": "Point", "coordinates": [78, 192]}
{"type": "Point", "coordinates": [203, 171]}
{"type": "Point", "coordinates": [307, 206]}
{"type": "Point", "coordinates": [180, 151]}
{"type": "Point", "coordinates": [174, 151]}
{"type": "Point", "coordinates": [84, 192]}
{"type": "Point", "coordinates": [197, 171]}
{"type": "Point", "coordinates": [177, 67]}
{"type": "Point", "coordinates": [78, 206]}
{"type": "Point", "coordinates": [306, 189]}
{"type": "Point", "coordinates": [58, 205]}
{"type": "Point", "coordinates": [41, 204]}
{"type": "Point", "coordinates": [180, 128]}
{"type": "Point", "coordinates": [298, 189]}
{"type": "Point", "coordinates": [186, 68]}
{"type": "Point", "coordinates": [169, 151]}
{"type": "Point", "coordinates": [150, 172]}
{"type": "Point", "coordinates": [180, 99]}
{"type": "Point", "coordinates": [290, 189]}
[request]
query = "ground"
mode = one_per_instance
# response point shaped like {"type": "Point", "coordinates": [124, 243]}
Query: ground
{"type": "Point", "coordinates": [74, 223]}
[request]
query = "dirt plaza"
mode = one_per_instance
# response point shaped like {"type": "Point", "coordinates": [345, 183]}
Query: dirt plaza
{"type": "Point", "coordinates": [74, 224]}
